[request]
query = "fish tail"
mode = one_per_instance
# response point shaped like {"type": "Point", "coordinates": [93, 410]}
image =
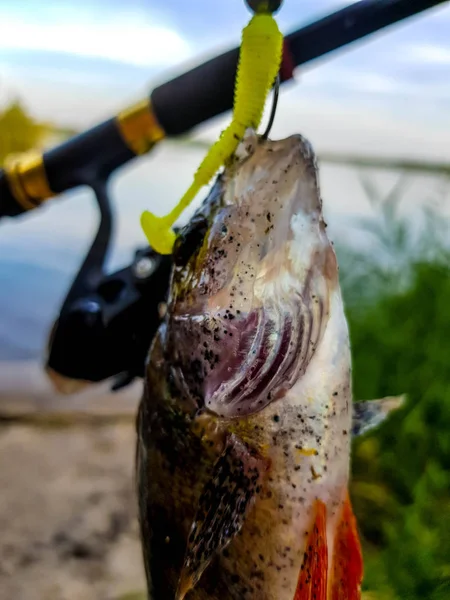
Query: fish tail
{"type": "Point", "coordinates": [340, 580]}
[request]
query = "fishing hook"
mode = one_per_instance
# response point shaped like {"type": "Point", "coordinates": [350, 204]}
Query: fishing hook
{"type": "Point", "coordinates": [276, 89]}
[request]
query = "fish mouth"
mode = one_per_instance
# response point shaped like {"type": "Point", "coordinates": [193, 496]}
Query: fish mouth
{"type": "Point", "coordinates": [247, 380]}
{"type": "Point", "coordinates": [249, 307]}
{"type": "Point", "coordinates": [252, 359]}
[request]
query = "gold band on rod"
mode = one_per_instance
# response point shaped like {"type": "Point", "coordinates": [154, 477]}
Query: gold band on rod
{"type": "Point", "coordinates": [139, 127]}
{"type": "Point", "coordinates": [27, 179]}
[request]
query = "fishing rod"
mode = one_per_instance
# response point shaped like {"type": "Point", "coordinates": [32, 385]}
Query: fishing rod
{"type": "Point", "coordinates": [179, 105]}
{"type": "Point", "coordinates": [104, 314]}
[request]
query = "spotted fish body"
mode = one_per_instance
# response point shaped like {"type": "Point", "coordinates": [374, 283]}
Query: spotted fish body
{"type": "Point", "coordinates": [244, 428]}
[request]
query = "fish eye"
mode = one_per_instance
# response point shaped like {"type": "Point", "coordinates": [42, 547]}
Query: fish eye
{"type": "Point", "coordinates": [189, 240]}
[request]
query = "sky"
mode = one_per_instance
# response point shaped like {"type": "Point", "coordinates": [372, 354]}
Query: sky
{"type": "Point", "coordinates": [77, 62]}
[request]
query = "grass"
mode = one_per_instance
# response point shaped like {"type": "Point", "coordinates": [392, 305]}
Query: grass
{"type": "Point", "coordinates": [19, 132]}
{"type": "Point", "coordinates": [397, 298]}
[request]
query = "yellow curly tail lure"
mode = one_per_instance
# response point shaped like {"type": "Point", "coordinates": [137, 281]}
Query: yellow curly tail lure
{"type": "Point", "coordinates": [259, 62]}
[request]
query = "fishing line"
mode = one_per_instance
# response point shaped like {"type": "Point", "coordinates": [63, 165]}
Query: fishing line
{"type": "Point", "coordinates": [273, 110]}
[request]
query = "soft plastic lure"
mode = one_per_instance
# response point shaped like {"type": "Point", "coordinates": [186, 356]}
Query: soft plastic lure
{"type": "Point", "coordinates": [259, 62]}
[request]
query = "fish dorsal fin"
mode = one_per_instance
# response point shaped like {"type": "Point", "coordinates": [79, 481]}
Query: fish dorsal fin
{"type": "Point", "coordinates": [223, 506]}
{"type": "Point", "coordinates": [368, 414]}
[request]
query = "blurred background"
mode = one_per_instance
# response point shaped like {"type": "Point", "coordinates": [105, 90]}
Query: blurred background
{"type": "Point", "coordinates": [67, 511]}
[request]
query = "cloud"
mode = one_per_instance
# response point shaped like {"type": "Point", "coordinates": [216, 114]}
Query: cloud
{"type": "Point", "coordinates": [351, 80]}
{"type": "Point", "coordinates": [123, 39]}
{"type": "Point", "coordinates": [428, 53]}
{"type": "Point", "coordinates": [77, 61]}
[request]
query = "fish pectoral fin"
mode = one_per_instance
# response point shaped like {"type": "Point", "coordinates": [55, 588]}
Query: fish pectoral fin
{"type": "Point", "coordinates": [223, 506]}
{"type": "Point", "coordinates": [368, 414]}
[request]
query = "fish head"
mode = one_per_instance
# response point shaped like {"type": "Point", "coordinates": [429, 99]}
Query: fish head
{"type": "Point", "coordinates": [253, 274]}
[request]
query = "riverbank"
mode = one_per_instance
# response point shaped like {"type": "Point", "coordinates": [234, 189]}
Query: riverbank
{"type": "Point", "coordinates": [67, 507]}
{"type": "Point", "coordinates": [25, 390]}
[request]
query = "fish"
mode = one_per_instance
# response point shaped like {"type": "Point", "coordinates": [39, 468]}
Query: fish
{"type": "Point", "coordinates": [245, 424]}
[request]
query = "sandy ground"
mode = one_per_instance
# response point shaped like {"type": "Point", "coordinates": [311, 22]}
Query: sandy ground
{"type": "Point", "coordinates": [67, 513]}
{"type": "Point", "coordinates": [25, 389]}
{"type": "Point", "coordinates": [67, 505]}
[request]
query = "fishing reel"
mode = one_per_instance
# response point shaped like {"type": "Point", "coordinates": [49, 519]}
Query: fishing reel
{"type": "Point", "coordinates": [107, 321]}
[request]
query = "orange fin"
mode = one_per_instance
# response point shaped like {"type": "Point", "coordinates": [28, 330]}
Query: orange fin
{"type": "Point", "coordinates": [312, 582]}
{"type": "Point", "coordinates": [347, 568]}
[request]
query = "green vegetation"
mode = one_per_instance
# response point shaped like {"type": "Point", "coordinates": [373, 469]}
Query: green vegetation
{"type": "Point", "coordinates": [19, 132]}
{"type": "Point", "coordinates": [397, 300]}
